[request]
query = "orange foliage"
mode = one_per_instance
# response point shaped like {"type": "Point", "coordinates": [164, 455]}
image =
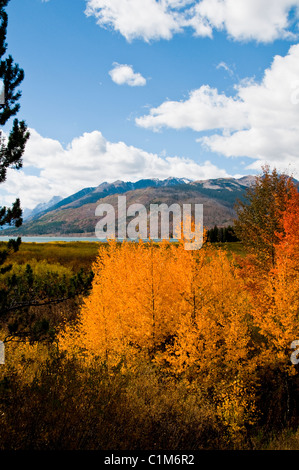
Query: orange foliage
{"type": "Point", "coordinates": [277, 311]}
{"type": "Point", "coordinates": [167, 303]}
{"type": "Point", "coordinates": [289, 240]}
{"type": "Point", "coordinates": [197, 315]}
{"type": "Point", "coordinates": [185, 311]}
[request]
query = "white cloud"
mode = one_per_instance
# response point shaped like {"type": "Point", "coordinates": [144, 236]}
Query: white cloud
{"type": "Point", "coordinates": [88, 161]}
{"type": "Point", "coordinates": [146, 19]}
{"type": "Point", "coordinates": [259, 20]}
{"type": "Point", "coordinates": [123, 74]}
{"type": "Point", "coordinates": [261, 121]}
{"type": "Point", "coordinates": [204, 110]}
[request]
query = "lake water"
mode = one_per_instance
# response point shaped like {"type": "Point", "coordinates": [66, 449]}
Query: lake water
{"type": "Point", "coordinates": [64, 239]}
{"type": "Point", "coordinates": [53, 239]}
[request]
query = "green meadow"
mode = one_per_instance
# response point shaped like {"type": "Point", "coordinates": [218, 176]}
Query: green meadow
{"type": "Point", "coordinates": [76, 255]}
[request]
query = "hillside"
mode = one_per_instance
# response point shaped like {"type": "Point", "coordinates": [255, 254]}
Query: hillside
{"type": "Point", "coordinates": [75, 215]}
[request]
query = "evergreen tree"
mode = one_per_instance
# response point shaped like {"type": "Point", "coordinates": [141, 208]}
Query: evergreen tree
{"type": "Point", "coordinates": [22, 296]}
{"type": "Point", "coordinates": [223, 234]}
{"type": "Point", "coordinates": [12, 146]}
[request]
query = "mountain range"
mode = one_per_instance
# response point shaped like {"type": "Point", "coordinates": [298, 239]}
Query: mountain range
{"type": "Point", "coordinates": [75, 215]}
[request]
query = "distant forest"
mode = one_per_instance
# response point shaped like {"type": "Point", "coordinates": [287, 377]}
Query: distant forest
{"type": "Point", "coordinates": [222, 235]}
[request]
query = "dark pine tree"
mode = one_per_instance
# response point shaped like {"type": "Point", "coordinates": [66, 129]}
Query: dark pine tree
{"type": "Point", "coordinates": [12, 146]}
{"type": "Point", "coordinates": [222, 235]}
{"type": "Point", "coordinates": [22, 297]}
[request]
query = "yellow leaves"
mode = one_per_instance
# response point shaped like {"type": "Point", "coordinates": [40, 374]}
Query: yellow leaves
{"type": "Point", "coordinates": [196, 315]}
{"type": "Point", "coordinates": [235, 404]}
{"type": "Point", "coordinates": [133, 302]}
{"type": "Point", "coordinates": [212, 331]}
{"type": "Point", "coordinates": [24, 359]}
{"type": "Point", "coordinates": [169, 304]}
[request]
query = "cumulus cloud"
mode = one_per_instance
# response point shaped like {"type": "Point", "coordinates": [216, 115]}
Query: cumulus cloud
{"type": "Point", "coordinates": [204, 110]}
{"type": "Point", "coordinates": [261, 121]}
{"type": "Point", "coordinates": [123, 74]}
{"type": "Point", "coordinates": [88, 161]}
{"type": "Point", "coordinates": [258, 20]}
{"type": "Point", "coordinates": [135, 19]}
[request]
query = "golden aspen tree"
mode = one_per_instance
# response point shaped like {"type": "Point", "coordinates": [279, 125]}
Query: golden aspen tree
{"type": "Point", "coordinates": [212, 344]}
{"type": "Point", "coordinates": [96, 331]}
{"type": "Point", "coordinates": [186, 311]}
{"type": "Point", "coordinates": [214, 308]}
{"type": "Point", "coordinates": [133, 304]}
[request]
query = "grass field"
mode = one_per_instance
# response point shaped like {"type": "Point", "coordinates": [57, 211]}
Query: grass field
{"type": "Point", "coordinates": [76, 255]}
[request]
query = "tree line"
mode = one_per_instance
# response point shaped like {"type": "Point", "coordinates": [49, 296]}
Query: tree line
{"type": "Point", "coordinates": [222, 235]}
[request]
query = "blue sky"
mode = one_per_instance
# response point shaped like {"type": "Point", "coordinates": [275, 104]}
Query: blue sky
{"type": "Point", "coordinates": [127, 89]}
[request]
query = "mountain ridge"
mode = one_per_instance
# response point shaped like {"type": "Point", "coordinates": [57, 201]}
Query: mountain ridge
{"type": "Point", "coordinates": [105, 189]}
{"type": "Point", "coordinates": [75, 214]}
